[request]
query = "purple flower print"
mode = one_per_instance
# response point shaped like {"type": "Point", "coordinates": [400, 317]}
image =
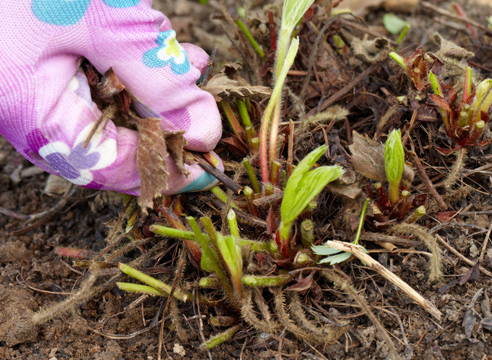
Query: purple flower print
{"type": "Point", "coordinates": [71, 166]}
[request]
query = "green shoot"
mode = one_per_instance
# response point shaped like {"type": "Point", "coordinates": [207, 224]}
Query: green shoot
{"type": "Point", "coordinates": [399, 59]}
{"type": "Point", "coordinates": [394, 162]}
{"type": "Point", "coordinates": [303, 185]}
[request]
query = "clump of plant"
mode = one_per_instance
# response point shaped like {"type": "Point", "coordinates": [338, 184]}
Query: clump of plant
{"type": "Point", "coordinates": [417, 66]}
{"type": "Point", "coordinates": [224, 258]}
{"type": "Point", "coordinates": [465, 119]}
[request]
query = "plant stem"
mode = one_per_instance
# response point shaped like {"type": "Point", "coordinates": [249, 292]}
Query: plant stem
{"type": "Point", "coordinates": [149, 280]}
{"type": "Point", "coordinates": [231, 117]}
{"type": "Point", "coordinates": [361, 223]}
{"type": "Point", "coordinates": [218, 267]}
{"type": "Point", "coordinates": [248, 194]}
{"type": "Point", "coordinates": [394, 192]}
{"type": "Point", "coordinates": [233, 228]}
{"type": "Point", "coordinates": [265, 281]}
{"type": "Point", "coordinates": [252, 177]}
{"type": "Point", "coordinates": [217, 191]}
{"type": "Point", "coordinates": [250, 38]}
{"type": "Point", "coordinates": [141, 289]}
{"type": "Point", "coordinates": [307, 236]}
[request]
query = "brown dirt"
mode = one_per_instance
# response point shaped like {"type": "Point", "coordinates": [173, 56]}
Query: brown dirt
{"type": "Point", "coordinates": [33, 277]}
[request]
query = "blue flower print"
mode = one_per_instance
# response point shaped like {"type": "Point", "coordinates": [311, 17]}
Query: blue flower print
{"type": "Point", "coordinates": [69, 12]}
{"type": "Point", "coordinates": [121, 3]}
{"type": "Point", "coordinates": [202, 182]}
{"type": "Point", "coordinates": [59, 12]}
{"type": "Point", "coordinates": [168, 51]}
{"type": "Point", "coordinates": [75, 163]}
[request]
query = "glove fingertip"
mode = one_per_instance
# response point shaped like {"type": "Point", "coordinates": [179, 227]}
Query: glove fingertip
{"type": "Point", "coordinates": [197, 56]}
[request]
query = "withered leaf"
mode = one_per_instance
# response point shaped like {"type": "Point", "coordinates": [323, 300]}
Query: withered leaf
{"type": "Point", "coordinates": [151, 165]}
{"type": "Point", "coordinates": [109, 85]}
{"type": "Point", "coordinates": [220, 86]}
{"type": "Point", "coordinates": [368, 156]}
{"type": "Point", "coordinates": [303, 284]}
{"type": "Point", "coordinates": [175, 142]}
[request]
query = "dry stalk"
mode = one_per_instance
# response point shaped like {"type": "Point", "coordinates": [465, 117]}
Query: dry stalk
{"type": "Point", "coordinates": [428, 240]}
{"type": "Point", "coordinates": [375, 265]}
{"type": "Point", "coordinates": [343, 285]}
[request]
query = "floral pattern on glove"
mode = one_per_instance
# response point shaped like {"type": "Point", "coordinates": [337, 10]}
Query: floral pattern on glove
{"type": "Point", "coordinates": [75, 163]}
{"type": "Point", "coordinates": [69, 12]}
{"type": "Point", "coordinates": [168, 51]}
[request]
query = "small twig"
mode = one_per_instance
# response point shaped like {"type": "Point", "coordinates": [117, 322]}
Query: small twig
{"type": "Point", "coordinates": [209, 67]}
{"type": "Point", "coordinates": [219, 175]}
{"type": "Point", "coordinates": [457, 253]}
{"type": "Point", "coordinates": [341, 93]}
{"type": "Point", "coordinates": [427, 5]}
{"type": "Point", "coordinates": [484, 246]}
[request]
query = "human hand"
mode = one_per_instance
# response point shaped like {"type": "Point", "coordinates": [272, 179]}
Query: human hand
{"type": "Point", "coordinates": [46, 109]}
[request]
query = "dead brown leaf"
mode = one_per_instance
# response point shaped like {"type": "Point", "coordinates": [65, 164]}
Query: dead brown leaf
{"type": "Point", "coordinates": [368, 157]}
{"type": "Point", "coordinates": [151, 152]}
{"type": "Point", "coordinates": [175, 142]}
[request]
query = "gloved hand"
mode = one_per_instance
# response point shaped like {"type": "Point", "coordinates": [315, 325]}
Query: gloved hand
{"type": "Point", "coordinates": [46, 110]}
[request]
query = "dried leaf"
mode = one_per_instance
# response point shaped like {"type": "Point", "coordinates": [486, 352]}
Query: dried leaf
{"type": "Point", "coordinates": [303, 284]}
{"type": "Point", "coordinates": [220, 86]}
{"type": "Point", "coordinates": [445, 216]}
{"type": "Point", "coordinates": [175, 142]}
{"type": "Point", "coordinates": [108, 86]}
{"type": "Point", "coordinates": [151, 166]}
{"type": "Point", "coordinates": [368, 157]}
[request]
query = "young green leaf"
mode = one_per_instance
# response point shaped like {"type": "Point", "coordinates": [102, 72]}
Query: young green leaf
{"type": "Point", "coordinates": [336, 259]}
{"type": "Point", "coordinates": [394, 24]}
{"type": "Point", "coordinates": [324, 250]}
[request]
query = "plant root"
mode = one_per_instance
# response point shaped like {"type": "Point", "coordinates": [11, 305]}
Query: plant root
{"type": "Point", "coordinates": [429, 241]}
{"type": "Point", "coordinates": [85, 292]}
{"type": "Point", "coordinates": [328, 334]}
{"type": "Point", "coordinates": [344, 286]}
{"type": "Point", "coordinates": [267, 325]}
{"type": "Point", "coordinates": [456, 169]}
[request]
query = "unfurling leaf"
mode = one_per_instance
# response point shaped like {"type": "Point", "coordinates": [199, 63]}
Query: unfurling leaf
{"type": "Point", "coordinates": [394, 162]}
{"type": "Point", "coordinates": [303, 186]}
{"type": "Point", "coordinates": [151, 165]}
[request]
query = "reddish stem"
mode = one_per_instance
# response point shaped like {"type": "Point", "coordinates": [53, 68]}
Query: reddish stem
{"type": "Point", "coordinates": [273, 36]}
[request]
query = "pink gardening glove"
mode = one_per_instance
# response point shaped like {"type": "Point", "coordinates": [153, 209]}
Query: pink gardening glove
{"type": "Point", "coordinates": [46, 110]}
